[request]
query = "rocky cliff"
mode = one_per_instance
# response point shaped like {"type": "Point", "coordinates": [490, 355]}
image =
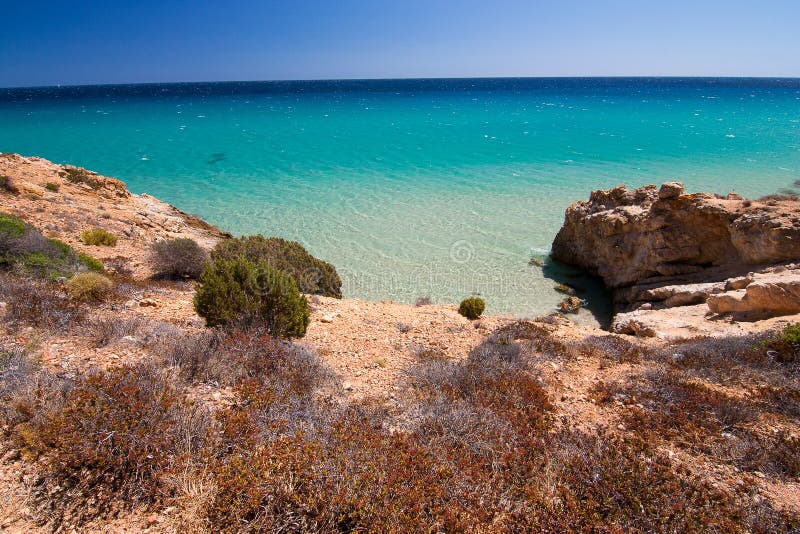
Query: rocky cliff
{"type": "Point", "coordinates": [663, 248]}
{"type": "Point", "coordinates": [629, 236]}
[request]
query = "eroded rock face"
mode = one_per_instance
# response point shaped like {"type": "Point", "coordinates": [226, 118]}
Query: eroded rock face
{"type": "Point", "coordinates": [769, 295]}
{"type": "Point", "coordinates": [631, 237]}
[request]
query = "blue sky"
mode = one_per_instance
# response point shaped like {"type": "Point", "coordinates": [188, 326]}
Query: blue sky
{"type": "Point", "coordinates": [89, 41]}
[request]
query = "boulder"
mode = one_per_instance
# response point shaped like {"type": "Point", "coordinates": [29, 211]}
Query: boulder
{"type": "Point", "coordinates": [670, 190]}
{"type": "Point", "coordinates": [772, 295]}
{"type": "Point", "coordinates": [570, 305]}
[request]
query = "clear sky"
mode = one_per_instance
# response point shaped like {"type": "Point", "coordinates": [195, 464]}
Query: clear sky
{"type": "Point", "coordinates": [108, 41]}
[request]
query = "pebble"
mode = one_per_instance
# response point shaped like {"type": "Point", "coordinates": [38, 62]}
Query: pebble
{"type": "Point", "coordinates": [347, 386]}
{"type": "Point", "coordinates": [621, 427]}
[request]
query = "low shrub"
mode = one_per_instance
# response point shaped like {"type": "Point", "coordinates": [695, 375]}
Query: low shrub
{"type": "Point", "coordinates": [178, 258]}
{"type": "Point", "coordinates": [7, 186]}
{"type": "Point", "coordinates": [24, 248]}
{"type": "Point", "coordinates": [89, 287]}
{"type": "Point", "coordinates": [106, 331]}
{"type": "Point", "coordinates": [77, 175]}
{"type": "Point", "coordinates": [52, 187]}
{"type": "Point", "coordinates": [239, 293]}
{"type": "Point", "coordinates": [38, 303]}
{"type": "Point", "coordinates": [312, 275]}
{"type": "Point", "coordinates": [99, 237]}
{"type": "Point", "coordinates": [472, 308]}
{"type": "Point", "coordinates": [116, 437]}
{"type": "Point", "coordinates": [27, 392]}
{"type": "Point", "coordinates": [785, 344]}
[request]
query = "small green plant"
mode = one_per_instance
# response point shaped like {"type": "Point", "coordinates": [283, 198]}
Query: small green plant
{"type": "Point", "coordinates": [99, 237]}
{"type": "Point", "coordinates": [178, 258]}
{"type": "Point", "coordinates": [11, 226]}
{"type": "Point", "coordinates": [240, 293]}
{"type": "Point", "coordinates": [52, 186]}
{"type": "Point", "coordinates": [91, 263]}
{"type": "Point", "coordinates": [313, 276]}
{"type": "Point", "coordinates": [472, 307]}
{"type": "Point", "coordinates": [89, 287]}
{"type": "Point", "coordinates": [786, 344]}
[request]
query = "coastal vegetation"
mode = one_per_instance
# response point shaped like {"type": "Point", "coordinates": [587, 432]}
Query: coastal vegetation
{"type": "Point", "coordinates": [89, 286]}
{"type": "Point", "coordinates": [241, 293]}
{"type": "Point", "coordinates": [77, 175]}
{"type": "Point", "coordinates": [25, 249]}
{"type": "Point", "coordinates": [7, 186]}
{"type": "Point", "coordinates": [478, 447]}
{"type": "Point", "coordinates": [119, 406]}
{"type": "Point", "coordinates": [472, 307]}
{"type": "Point", "coordinates": [312, 275]}
{"type": "Point", "coordinates": [99, 237]}
{"type": "Point", "coordinates": [178, 258]}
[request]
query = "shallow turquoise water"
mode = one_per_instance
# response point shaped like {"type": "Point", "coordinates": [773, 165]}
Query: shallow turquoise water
{"type": "Point", "coordinates": [417, 187]}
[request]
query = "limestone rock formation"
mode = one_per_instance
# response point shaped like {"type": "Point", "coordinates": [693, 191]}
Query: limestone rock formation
{"type": "Point", "coordinates": [628, 236]}
{"type": "Point", "coordinates": [707, 255]}
{"type": "Point", "coordinates": [768, 295]}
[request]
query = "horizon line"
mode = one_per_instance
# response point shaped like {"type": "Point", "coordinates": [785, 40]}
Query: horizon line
{"type": "Point", "coordinates": [410, 78]}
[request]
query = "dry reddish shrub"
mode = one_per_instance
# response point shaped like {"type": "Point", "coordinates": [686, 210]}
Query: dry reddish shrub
{"type": "Point", "coordinates": [27, 393]}
{"type": "Point", "coordinates": [38, 303]}
{"type": "Point", "coordinates": [352, 474]}
{"type": "Point", "coordinates": [229, 358]}
{"type": "Point", "coordinates": [111, 443]}
{"type": "Point", "coordinates": [104, 332]}
{"type": "Point", "coordinates": [689, 414]}
{"type": "Point", "coordinates": [612, 348]}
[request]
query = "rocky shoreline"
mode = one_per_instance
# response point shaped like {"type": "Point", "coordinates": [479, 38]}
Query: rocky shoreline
{"type": "Point", "coordinates": [719, 259]}
{"type": "Point", "coordinates": [683, 357]}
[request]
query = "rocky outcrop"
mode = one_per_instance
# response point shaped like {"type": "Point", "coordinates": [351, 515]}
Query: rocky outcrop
{"type": "Point", "coordinates": [64, 201]}
{"type": "Point", "coordinates": [644, 242]}
{"type": "Point", "coordinates": [707, 256]}
{"type": "Point", "coordinates": [628, 236]}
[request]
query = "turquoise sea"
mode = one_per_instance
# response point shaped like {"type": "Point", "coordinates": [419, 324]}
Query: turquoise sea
{"type": "Point", "coordinates": [416, 187]}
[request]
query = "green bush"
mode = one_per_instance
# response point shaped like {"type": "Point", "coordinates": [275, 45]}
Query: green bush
{"type": "Point", "coordinates": [24, 248]}
{"type": "Point", "coordinates": [99, 237]}
{"type": "Point", "coordinates": [91, 263]}
{"type": "Point", "coordinates": [177, 258]}
{"type": "Point", "coordinates": [472, 308]}
{"type": "Point", "coordinates": [11, 226]}
{"type": "Point", "coordinates": [51, 186]}
{"type": "Point", "coordinates": [313, 276]}
{"type": "Point", "coordinates": [244, 294]}
{"type": "Point", "coordinates": [89, 286]}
